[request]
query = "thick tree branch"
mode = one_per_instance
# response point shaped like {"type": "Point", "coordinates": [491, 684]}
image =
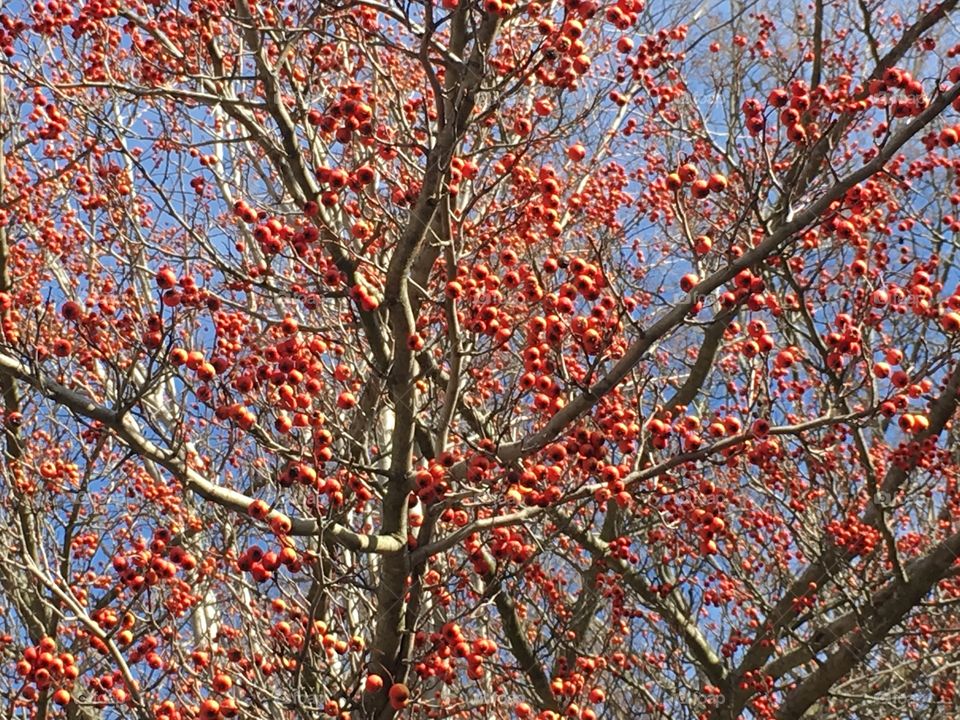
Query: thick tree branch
{"type": "Point", "coordinates": [125, 429]}
{"type": "Point", "coordinates": [707, 659]}
{"type": "Point", "coordinates": [516, 635]}
{"type": "Point", "coordinates": [857, 644]}
{"type": "Point", "coordinates": [832, 559]}
{"type": "Point", "coordinates": [674, 318]}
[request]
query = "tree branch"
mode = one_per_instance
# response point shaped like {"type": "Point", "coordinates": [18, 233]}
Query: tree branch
{"type": "Point", "coordinates": [125, 429]}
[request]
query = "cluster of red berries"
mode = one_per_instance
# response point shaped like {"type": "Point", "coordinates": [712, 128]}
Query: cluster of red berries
{"type": "Point", "coordinates": [43, 668]}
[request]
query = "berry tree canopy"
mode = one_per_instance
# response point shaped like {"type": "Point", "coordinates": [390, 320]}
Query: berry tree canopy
{"type": "Point", "coordinates": [479, 359]}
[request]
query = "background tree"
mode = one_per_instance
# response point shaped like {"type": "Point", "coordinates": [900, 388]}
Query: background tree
{"type": "Point", "coordinates": [479, 359]}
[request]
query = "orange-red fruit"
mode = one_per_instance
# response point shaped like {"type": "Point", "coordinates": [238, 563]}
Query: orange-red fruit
{"type": "Point", "coordinates": [717, 183]}
{"type": "Point", "coordinates": [178, 356]}
{"type": "Point", "coordinates": [597, 695]}
{"type": "Point", "coordinates": [687, 172]}
{"type": "Point", "coordinates": [71, 310]}
{"type": "Point", "coordinates": [700, 189]}
{"type": "Point", "coordinates": [210, 708]}
{"type": "Point", "coordinates": [399, 696]}
{"type": "Point", "coordinates": [228, 708]}
{"type": "Point", "coordinates": [166, 279]}
{"type": "Point", "coordinates": [222, 682]}
{"type": "Point", "coordinates": [280, 524]}
{"type": "Point", "coordinates": [950, 322]}
{"type": "Point", "coordinates": [62, 347]}
{"type": "Point", "coordinates": [688, 282]}
{"type": "Point", "coordinates": [576, 152]}
{"type": "Point", "coordinates": [258, 509]}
